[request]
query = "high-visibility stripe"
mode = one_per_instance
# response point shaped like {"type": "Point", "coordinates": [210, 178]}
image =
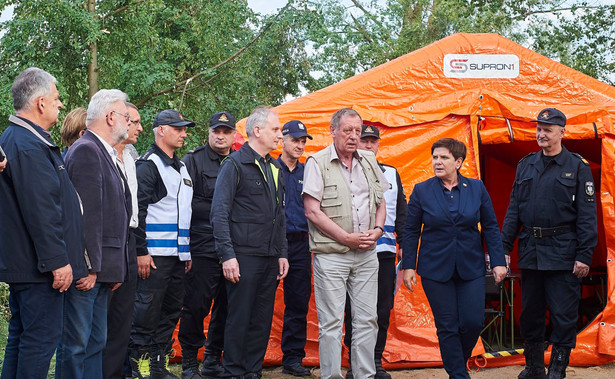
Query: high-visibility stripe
{"type": "Point", "coordinates": [161, 227]}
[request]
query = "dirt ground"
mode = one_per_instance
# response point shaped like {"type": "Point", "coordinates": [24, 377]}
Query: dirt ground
{"type": "Point", "coordinates": [596, 372]}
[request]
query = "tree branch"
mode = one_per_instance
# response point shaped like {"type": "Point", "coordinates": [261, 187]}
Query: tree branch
{"type": "Point", "coordinates": [184, 83]}
{"type": "Point", "coordinates": [121, 9]}
{"type": "Point", "coordinates": [555, 10]}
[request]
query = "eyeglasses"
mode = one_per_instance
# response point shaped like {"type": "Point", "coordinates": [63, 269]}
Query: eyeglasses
{"type": "Point", "coordinates": [126, 115]}
{"type": "Point", "coordinates": [136, 122]}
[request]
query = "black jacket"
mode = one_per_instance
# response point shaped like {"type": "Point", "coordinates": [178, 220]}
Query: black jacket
{"type": "Point", "coordinates": [40, 218]}
{"type": "Point", "coordinates": [202, 164]}
{"type": "Point", "coordinates": [244, 219]}
{"type": "Point", "coordinates": [559, 195]}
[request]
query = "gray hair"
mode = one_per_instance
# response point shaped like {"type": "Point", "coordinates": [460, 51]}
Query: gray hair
{"type": "Point", "coordinates": [131, 105]}
{"type": "Point", "coordinates": [30, 84]}
{"type": "Point", "coordinates": [101, 102]}
{"type": "Point", "coordinates": [337, 116]}
{"type": "Point", "coordinates": [258, 117]}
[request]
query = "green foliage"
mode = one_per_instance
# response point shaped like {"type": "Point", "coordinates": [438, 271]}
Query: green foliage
{"type": "Point", "coordinates": [162, 53]}
{"type": "Point", "coordinates": [355, 35]}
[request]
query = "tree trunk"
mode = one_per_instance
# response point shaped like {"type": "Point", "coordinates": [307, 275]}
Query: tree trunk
{"type": "Point", "coordinates": [93, 65]}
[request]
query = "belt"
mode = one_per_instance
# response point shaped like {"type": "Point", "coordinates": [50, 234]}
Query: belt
{"type": "Point", "coordinates": [297, 236]}
{"type": "Point", "coordinates": [540, 232]}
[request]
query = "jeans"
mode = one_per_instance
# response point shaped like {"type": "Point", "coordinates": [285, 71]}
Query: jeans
{"type": "Point", "coordinates": [84, 333]}
{"type": "Point", "coordinates": [34, 330]}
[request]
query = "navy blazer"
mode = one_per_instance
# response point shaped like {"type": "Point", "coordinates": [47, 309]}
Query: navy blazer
{"type": "Point", "coordinates": [106, 213]}
{"type": "Point", "coordinates": [448, 242]}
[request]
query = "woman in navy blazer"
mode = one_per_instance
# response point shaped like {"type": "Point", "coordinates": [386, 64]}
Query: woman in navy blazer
{"type": "Point", "coordinates": [451, 262]}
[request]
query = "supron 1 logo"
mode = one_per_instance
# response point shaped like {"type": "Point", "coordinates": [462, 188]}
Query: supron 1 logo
{"type": "Point", "coordinates": [458, 65]}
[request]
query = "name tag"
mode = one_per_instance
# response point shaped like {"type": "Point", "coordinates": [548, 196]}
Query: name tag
{"type": "Point", "coordinates": [188, 182]}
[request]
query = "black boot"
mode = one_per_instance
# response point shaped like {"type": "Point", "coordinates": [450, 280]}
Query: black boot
{"type": "Point", "coordinates": [534, 361]}
{"type": "Point", "coordinates": [190, 364]}
{"type": "Point", "coordinates": [380, 371]}
{"type": "Point", "coordinates": [212, 368]}
{"type": "Point", "coordinates": [158, 365]}
{"type": "Point", "coordinates": [559, 362]}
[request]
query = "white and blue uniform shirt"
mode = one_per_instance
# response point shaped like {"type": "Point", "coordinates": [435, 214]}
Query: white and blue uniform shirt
{"type": "Point", "coordinates": [387, 241]}
{"type": "Point", "coordinates": [167, 225]}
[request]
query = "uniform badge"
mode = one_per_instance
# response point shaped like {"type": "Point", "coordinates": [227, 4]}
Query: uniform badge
{"type": "Point", "coordinates": [369, 129]}
{"type": "Point", "coordinates": [223, 118]}
{"type": "Point", "coordinates": [300, 125]}
{"type": "Point", "coordinates": [589, 188]}
{"type": "Point", "coordinates": [188, 182]}
{"type": "Point", "coordinates": [545, 115]}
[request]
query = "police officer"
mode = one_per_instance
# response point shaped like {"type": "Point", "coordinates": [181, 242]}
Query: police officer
{"type": "Point", "coordinates": [205, 281]}
{"type": "Point", "coordinates": [297, 284]}
{"type": "Point", "coordinates": [163, 250]}
{"type": "Point", "coordinates": [552, 211]}
{"type": "Point", "coordinates": [386, 248]}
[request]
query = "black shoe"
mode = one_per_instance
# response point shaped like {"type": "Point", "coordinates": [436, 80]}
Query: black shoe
{"type": "Point", "coordinates": [296, 370]}
{"type": "Point", "coordinates": [212, 368]}
{"type": "Point", "coordinates": [349, 374]}
{"type": "Point", "coordinates": [191, 373]}
{"type": "Point", "coordinates": [253, 375]}
{"type": "Point", "coordinates": [381, 373]}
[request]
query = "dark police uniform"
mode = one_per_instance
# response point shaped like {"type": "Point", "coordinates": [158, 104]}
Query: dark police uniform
{"type": "Point", "coordinates": [249, 225]}
{"type": "Point", "coordinates": [205, 281]}
{"type": "Point", "coordinates": [552, 211]}
{"type": "Point", "coordinates": [298, 282]}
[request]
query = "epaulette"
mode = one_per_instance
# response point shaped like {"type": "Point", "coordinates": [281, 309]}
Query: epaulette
{"type": "Point", "coordinates": [527, 156]}
{"type": "Point", "coordinates": [146, 155]}
{"type": "Point", "coordinates": [581, 158]}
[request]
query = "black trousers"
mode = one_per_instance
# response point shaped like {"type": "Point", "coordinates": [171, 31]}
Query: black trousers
{"type": "Point", "coordinates": [560, 291]}
{"type": "Point", "coordinates": [119, 318]}
{"type": "Point", "coordinates": [250, 311]}
{"type": "Point", "coordinates": [386, 301]}
{"type": "Point", "coordinates": [204, 285]}
{"type": "Point", "coordinates": [297, 293]}
{"type": "Point", "coordinates": [158, 303]}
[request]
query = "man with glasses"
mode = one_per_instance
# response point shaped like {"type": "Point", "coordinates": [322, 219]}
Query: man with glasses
{"type": "Point", "coordinates": [163, 246]}
{"type": "Point", "coordinates": [122, 300]}
{"type": "Point", "coordinates": [92, 165]}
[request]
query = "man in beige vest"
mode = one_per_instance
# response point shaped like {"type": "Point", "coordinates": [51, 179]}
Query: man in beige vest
{"type": "Point", "coordinates": [343, 197]}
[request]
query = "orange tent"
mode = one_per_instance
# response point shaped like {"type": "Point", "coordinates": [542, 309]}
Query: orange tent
{"type": "Point", "coordinates": [482, 89]}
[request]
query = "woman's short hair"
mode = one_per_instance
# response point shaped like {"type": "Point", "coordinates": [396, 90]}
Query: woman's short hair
{"type": "Point", "coordinates": [73, 125]}
{"type": "Point", "coordinates": [456, 148]}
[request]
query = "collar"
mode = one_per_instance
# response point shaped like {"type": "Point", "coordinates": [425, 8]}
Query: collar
{"type": "Point", "coordinates": [213, 155]}
{"type": "Point", "coordinates": [560, 158]}
{"type": "Point", "coordinates": [112, 152]}
{"type": "Point", "coordinates": [356, 154]}
{"type": "Point", "coordinates": [461, 182]}
{"type": "Point", "coordinates": [33, 128]}
{"type": "Point", "coordinates": [175, 162]}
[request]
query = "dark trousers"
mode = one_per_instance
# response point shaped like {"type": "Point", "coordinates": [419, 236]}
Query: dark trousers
{"type": "Point", "coordinates": [120, 310]}
{"type": "Point", "coordinates": [204, 283]}
{"type": "Point", "coordinates": [250, 311]}
{"type": "Point", "coordinates": [458, 308]}
{"type": "Point", "coordinates": [560, 291]}
{"type": "Point", "coordinates": [297, 292]}
{"type": "Point", "coordinates": [158, 303]}
{"type": "Point", "coordinates": [386, 300]}
{"type": "Point", "coordinates": [217, 322]}
{"type": "Point", "coordinates": [35, 329]}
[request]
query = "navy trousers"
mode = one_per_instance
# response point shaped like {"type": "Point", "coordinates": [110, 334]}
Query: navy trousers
{"type": "Point", "coordinates": [204, 283]}
{"type": "Point", "coordinates": [35, 330]}
{"type": "Point", "coordinates": [560, 291]}
{"type": "Point", "coordinates": [386, 301]}
{"type": "Point", "coordinates": [297, 293]}
{"type": "Point", "coordinates": [250, 311]}
{"type": "Point", "coordinates": [458, 308]}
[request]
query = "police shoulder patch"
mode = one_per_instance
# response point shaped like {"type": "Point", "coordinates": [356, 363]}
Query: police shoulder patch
{"type": "Point", "coordinates": [589, 188]}
{"type": "Point", "coordinates": [585, 162]}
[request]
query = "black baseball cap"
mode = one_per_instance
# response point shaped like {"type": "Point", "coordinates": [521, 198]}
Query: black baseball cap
{"type": "Point", "coordinates": [551, 116]}
{"type": "Point", "coordinates": [296, 129]}
{"type": "Point", "coordinates": [370, 131]}
{"type": "Point", "coordinates": [171, 117]}
{"type": "Point", "coordinates": [222, 119]}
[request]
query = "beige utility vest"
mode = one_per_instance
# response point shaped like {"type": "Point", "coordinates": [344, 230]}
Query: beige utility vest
{"type": "Point", "coordinates": [336, 200]}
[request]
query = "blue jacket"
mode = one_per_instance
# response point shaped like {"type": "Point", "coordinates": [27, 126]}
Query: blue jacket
{"type": "Point", "coordinates": [446, 242]}
{"type": "Point", "coordinates": [293, 204]}
{"type": "Point", "coordinates": [40, 216]}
